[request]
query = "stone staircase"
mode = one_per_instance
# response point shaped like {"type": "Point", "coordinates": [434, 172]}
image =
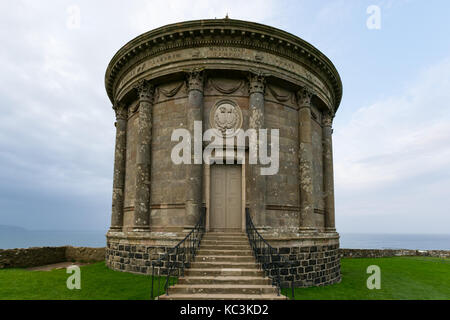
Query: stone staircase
{"type": "Point", "coordinates": [224, 269]}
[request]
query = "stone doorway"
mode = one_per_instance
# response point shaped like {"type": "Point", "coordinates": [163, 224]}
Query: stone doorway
{"type": "Point", "coordinates": [226, 198]}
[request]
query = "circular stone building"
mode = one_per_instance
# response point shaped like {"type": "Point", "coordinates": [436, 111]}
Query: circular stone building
{"type": "Point", "coordinates": [228, 75]}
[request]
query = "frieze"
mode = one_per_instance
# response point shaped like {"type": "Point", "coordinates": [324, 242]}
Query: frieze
{"type": "Point", "coordinates": [225, 86]}
{"type": "Point", "coordinates": [231, 53]}
{"type": "Point", "coordinates": [149, 64]}
{"type": "Point", "coordinates": [168, 91]}
{"type": "Point", "coordinates": [283, 97]}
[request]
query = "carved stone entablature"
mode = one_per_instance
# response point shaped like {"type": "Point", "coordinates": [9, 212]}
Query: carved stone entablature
{"type": "Point", "coordinates": [145, 90]}
{"type": "Point", "coordinates": [238, 42]}
{"type": "Point", "coordinates": [120, 111]}
{"type": "Point", "coordinates": [304, 97]}
{"type": "Point", "coordinates": [226, 117]}
{"type": "Point", "coordinates": [257, 82]}
{"type": "Point", "coordinates": [195, 80]}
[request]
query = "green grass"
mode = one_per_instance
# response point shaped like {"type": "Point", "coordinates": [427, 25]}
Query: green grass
{"type": "Point", "coordinates": [401, 278]}
{"type": "Point", "coordinates": [97, 283]}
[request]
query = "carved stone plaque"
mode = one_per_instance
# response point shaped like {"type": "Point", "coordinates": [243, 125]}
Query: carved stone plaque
{"type": "Point", "coordinates": [226, 117]}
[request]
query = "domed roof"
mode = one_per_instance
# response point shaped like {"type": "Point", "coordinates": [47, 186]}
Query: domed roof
{"type": "Point", "coordinates": [223, 32]}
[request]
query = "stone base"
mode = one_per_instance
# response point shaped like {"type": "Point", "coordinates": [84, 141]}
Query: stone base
{"type": "Point", "coordinates": [313, 266]}
{"type": "Point", "coordinates": [316, 257]}
{"type": "Point", "coordinates": [135, 250]}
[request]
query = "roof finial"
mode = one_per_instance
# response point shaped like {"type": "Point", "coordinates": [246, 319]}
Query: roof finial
{"type": "Point", "coordinates": [226, 17]}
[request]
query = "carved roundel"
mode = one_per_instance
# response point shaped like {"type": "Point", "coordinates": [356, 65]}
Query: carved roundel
{"type": "Point", "coordinates": [226, 117]}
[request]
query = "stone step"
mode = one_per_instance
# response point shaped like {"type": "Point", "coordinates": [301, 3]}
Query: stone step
{"type": "Point", "coordinates": [226, 238]}
{"type": "Point", "coordinates": [223, 252]}
{"type": "Point", "coordinates": [224, 268]}
{"type": "Point", "coordinates": [224, 247]}
{"type": "Point", "coordinates": [232, 296]}
{"type": "Point", "coordinates": [234, 258]}
{"type": "Point", "coordinates": [214, 272]}
{"type": "Point", "coordinates": [222, 289]}
{"type": "Point", "coordinates": [225, 280]}
{"type": "Point", "coordinates": [223, 265]}
{"type": "Point", "coordinates": [223, 242]}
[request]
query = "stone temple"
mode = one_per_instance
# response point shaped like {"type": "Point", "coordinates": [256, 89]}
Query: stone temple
{"type": "Point", "coordinates": [225, 74]}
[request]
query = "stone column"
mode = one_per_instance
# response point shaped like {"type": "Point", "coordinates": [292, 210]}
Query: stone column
{"type": "Point", "coordinates": [143, 156]}
{"type": "Point", "coordinates": [194, 171]}
{"type": "Point", "coordinates": [256, 121]}
{"type": "Point", "coordinates": [307, 221]}
{"type": "Point", "coordinates": [328, 181]}
{"type": "Point", "coordinates": [119, 167]}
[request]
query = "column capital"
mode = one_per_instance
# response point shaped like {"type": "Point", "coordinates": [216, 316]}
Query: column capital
{"type": "Point", "coordinates": [257, 82]}
{"type": "Point", "coordinates": [304, 97]}
{"type": "Point", "coordinates": [145, 89]}
{"type": "Point", "coordinates": [195, 80]}
{"type": "Point", "coordinates": [120, 111]}
{"type": "Point", "coordinates": [327, 119]}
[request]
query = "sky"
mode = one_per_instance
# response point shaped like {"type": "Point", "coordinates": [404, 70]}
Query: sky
{"type": "Point", "coordinates": [391, 132]}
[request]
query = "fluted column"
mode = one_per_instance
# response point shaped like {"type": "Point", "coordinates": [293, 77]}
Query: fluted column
{"type": "Point", "coordinates": [307, 222]}
{"type": "Point", "coordinates": [194, 171]}
{"type": "Point", "coordinates": [119, 167]}
{"type": "Point", "coordinates": [257, 199]}
{"type": "Point", "coordinates": [328, 180]}
{"type": "Point", "coordinates": [143, 156]}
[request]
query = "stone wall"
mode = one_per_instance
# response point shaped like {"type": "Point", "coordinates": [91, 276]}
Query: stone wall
{"type": "Point", "coordinates": [282, 193]}
{"type": "Point", "coordinates": [380, 253]}
{"type": "Point", "coordinates": [38, 256]}
{"type": "Point", "coordinates": [137, 258]}
{"type": "Point", "coordinates": [316, 265]}
{"type": "Point", "coordinates": [314, 261]}
{"type": "Point", "coordinates": [31, 257]}
{"type": "Point", "coordinates": [168, 180]}
{"type": "Point", "coordinates": [85, 254]}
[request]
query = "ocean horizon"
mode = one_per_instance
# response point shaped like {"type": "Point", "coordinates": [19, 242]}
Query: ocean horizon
{"type": "Point", "coordinates": [22, 238]}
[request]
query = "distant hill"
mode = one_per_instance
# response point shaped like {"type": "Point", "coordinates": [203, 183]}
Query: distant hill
{"type": "Point", "coordinates": [5, 228]}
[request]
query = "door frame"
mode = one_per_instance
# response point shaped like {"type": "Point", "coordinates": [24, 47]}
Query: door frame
{"type": "Point", "coordinates": [239, 159]}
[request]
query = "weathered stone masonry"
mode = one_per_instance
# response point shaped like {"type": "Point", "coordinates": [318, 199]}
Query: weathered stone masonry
{"type": "Point", "coordinates": [264, 78]}
{"type": "Point", "coordinates": [39, 256]}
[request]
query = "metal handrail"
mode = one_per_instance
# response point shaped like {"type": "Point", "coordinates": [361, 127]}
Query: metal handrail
{"type": "Point", "coordinates": [180, 256]}
{"type": "Point", "coordinates": [270, 261]}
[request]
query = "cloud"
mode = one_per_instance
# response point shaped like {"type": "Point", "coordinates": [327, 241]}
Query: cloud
{"type": "Point", "coordinates": [154, 14]}
{"type": "Point", "coordinates": [56, 128]}
{"type": "Point", "coordinates": [392, 156]}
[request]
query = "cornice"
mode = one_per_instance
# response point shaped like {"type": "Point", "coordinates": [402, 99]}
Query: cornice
{"type": "Point", "coordinates": [225, 32]}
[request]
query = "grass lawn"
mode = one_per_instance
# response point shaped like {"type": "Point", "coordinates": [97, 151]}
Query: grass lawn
{"type": "Point", "coordinates": [97, 283]}
{"type": "Point", "coordinates": [401, 278]}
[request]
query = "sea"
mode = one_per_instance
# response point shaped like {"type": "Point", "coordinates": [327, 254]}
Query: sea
{"type": "Point", "coordinates": [22, 238]}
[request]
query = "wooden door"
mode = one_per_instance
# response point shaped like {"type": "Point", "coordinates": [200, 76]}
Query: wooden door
{"type": "Point", "coordinates": [226, 197]}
